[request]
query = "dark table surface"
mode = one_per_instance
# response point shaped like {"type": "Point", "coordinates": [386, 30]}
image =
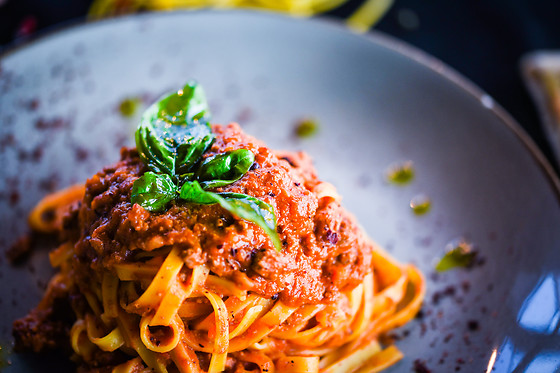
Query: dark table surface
{"type": "Point", "coordinates": [482, 39]}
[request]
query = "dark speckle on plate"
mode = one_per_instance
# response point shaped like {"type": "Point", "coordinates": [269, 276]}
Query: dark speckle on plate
{"type": "Point", "coordinates": [244, 116]}
{"type": "Point", "coordinates": [419, 366]}
{"type": "Point", "coordinates": [81, 154]}
{"type": "Point", "coordinates": [53, 123]}
{"type": "Point", "coordinates": [8, 140]}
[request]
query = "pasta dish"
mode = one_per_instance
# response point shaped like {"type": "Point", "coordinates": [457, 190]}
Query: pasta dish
{"type": "Point", "coordinates": [202, 250]}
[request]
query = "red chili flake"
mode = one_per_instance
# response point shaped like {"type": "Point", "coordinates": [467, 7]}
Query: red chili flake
{"type": "Point", "coordinates": [37, 153]}
{"type": "Point", "coordinates": [423, 329]}
{"type": "Point", "coordinates": [7, 141]}
{"type": "Point", "coordinates": [43, 124]}
{"type": "Point", "coordinates": [449, 291]}
{"type": "Point", "coordinates": [419, 366]}
{"type": "Point", "coordinates": [32, 104]}
{"type": "Point", "coordinates": [48, 184]}
{"type": "Point", "coordinates": [14, 198]}
{"type": "Point", "coordinates": [444, 355]}
{"type": "Point", "coordinates": [448, 338]}
{"type": "Point", "coordinates": [81, 154]}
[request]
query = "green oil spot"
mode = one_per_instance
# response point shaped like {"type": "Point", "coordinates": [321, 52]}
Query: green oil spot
{"type": "Point", "coordinates": [129, 106]}
{"type": "Point", "coordinates": [306, 128]}
{"type": "Point", "coordinates": [459, 254]}
{"type": "Point", "coordinates": [420, 204]}
{"type": "Point", "coordinates": [401, 173]}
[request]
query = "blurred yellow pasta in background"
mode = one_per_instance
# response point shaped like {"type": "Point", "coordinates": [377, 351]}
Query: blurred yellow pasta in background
{"type": "Point", "coordinates": [367, 14]}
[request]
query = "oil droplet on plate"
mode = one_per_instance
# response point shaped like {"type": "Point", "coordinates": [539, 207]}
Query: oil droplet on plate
{"type": "Point", "coordinates": [458, 253]}
{"type": "Point", "coordinates": [400, 173]}
{"type": "Point", "coordinates": [129, 106]}
{"type": "Point", "coordinates": [420, 204]}
{"type": "Point", "coordinates": [306, 128]}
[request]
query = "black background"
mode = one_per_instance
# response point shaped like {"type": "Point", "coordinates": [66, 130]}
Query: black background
{"type": "Point", "coordinates": [483, 40]}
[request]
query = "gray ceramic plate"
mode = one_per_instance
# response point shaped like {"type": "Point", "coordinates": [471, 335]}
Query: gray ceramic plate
{"type": "Point", "coordinates": [377, 102]}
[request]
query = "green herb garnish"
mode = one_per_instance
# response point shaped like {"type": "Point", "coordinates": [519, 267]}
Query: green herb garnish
{"type": "Point", "coordinates": [459, 255]}
{"type": "Point", "coordinates": [174, 132]}
{"type": "Point", "coordinates": [223, 169]}
{"type": "Point", "coordinates": [153, 191]}
{"type": "Point", "coordinates": [172, 137]}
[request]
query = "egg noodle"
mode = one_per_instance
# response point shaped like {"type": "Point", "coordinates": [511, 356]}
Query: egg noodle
{"type": "Point", "coordinates": [367, 14]}
{"type": "Point", "coordinates": [170, 318]}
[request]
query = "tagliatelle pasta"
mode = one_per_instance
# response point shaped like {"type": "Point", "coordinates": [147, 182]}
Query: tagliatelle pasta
{"type": "Point", "coordinates": [365, 16]}
{"type": "Point", "coordinates": [196, 289]}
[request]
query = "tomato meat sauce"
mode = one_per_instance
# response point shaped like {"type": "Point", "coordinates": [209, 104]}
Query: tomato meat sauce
{"type": "Point", "coordinates": [323, 249]}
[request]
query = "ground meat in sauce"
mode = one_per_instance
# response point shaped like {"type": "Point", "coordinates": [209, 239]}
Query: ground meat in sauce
{"type": "Point", "coordinates": [324, 250]}
{"type": "Point", "coordinates": [47, 327]}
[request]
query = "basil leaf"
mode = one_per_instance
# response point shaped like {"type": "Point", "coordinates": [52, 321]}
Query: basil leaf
{"type": "Point", "coordinates": [153, 191]}
{"type": "Point", "coordinates": [244, 206]}
{"type": "Point", "coordinates": [174, 132]}
{"type": "Point", "coordinates": [192, 192]}
{"type": "Point", "coordinates": [187, 106]}
{"type": "Point", "coordinates": [253, 210]}
{"type": "Point", "coordinates": [223, 169]}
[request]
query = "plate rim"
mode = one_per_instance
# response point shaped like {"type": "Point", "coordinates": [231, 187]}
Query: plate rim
{"type": "Point", "coordinates": [374, 36]}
